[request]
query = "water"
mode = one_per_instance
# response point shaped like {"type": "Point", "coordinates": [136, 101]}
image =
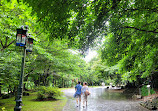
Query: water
{"type": "Point", "coordinates": [102, 99]}
{"type": "Point", "coordinates": [109, 94]}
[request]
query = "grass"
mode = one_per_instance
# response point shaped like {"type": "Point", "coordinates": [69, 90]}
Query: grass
{"type": "Point", "coordinates": [30, 104]}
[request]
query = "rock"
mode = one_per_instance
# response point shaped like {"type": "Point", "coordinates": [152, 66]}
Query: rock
{"type": "Point", "coordinates": [151, 105]}
{"type": "Point", "coordinates": [136, 96]}
{"type": "Point", "coordinates": [157, 106]}
{"type": "Point", "coordinates": [139, 96]}
{"type": "Point", "coordinates": [155, 102]}
{"type": "Point", "coordinates": [143, 104]}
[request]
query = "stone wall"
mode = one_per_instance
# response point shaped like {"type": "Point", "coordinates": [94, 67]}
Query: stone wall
{"type": "Point", "coordinates": [150, 104]}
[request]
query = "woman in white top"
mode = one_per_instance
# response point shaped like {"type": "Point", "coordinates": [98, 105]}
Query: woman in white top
{"type": "Point", "coordinates": [85, 92]}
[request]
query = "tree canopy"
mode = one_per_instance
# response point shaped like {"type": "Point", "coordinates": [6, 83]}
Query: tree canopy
{"type": "Point", "coordinates": [127, 28]}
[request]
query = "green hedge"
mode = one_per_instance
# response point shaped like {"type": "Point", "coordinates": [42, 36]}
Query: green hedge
{"type": "Point", "coordinates": [144, 91]}
{"type": "Point", "coordinates": [45, 93]}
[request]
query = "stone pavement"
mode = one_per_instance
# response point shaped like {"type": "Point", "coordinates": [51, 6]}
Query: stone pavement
{"type": "Point", "coordinates": [103, 100]}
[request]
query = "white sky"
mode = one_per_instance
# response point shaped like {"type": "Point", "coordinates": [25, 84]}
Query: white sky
{"type": "Point", "coordinates": [91, 55]}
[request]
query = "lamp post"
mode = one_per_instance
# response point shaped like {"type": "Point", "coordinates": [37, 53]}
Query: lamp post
{"type": "Point", "coordinates": [27, 43]}
{"type": "Point", "coordinates": [148, 87]}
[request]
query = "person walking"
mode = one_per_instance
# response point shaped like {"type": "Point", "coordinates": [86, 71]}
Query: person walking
{"type": "Point", "coordinates": [85, 92]}
{"type": "Point", "coordinates": [77, 95]}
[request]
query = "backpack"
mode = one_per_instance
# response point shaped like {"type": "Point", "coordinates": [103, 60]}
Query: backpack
{"type": "Point", "coordinates": [87, 93]}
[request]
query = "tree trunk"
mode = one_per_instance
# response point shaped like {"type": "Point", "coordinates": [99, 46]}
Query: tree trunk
{"type": "Point", "coordinates": [39, 79]}
{"type": "Point", "coordinates": [154, 80]}
{"type": "Point", "coordinates": [55, 82]}
{"type": "Point", "coordinates": [0, 90]}
{"type": "Point", "coordinates": [72, 83]}
{"type": "Point", "coordinates": [14, 90]}
{"type": "Point", "coordinates": [68, 83]}
{"type": "Point", "coordinates": [25, 79]}
{"type": "Point", "coordinates": [63, 82]}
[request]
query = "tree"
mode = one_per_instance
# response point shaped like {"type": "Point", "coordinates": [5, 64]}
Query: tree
{"type": "Point", "coordinates": [47, 59]}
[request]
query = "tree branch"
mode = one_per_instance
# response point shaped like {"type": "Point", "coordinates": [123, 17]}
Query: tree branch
{"type": "Point", "coordinates": [156, 29]}
{"type": "Point", "coordinates": [1, 43]}
{"type": "Point", "coordinates": [10, 43]}
{"type": "Point", "coordinates": [4, 47]}
{"type": "Point", "coordinates": [6, 42]}
{"type": "Point", "coordinates": [140, 29]}
{"type": "Point", "coordinates": [150, 23]}
{"type": "Point", "coordinates": [146, 9]}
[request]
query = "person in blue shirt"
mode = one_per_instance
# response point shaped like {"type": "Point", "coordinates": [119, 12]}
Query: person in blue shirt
{"type": "Point", "coordinates": [78, 88]}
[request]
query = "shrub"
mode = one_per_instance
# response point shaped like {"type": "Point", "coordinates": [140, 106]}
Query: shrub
{"type": "Point", "coordinates": [41, 95]}
{"type": "Point", "coordinates": [5, 96]}
{"type": "Point", "coordinates": [26, 93]}
{"type": "Point", "coordinates": [144, 91]}
{"type": "Point", "coordinates": [48, 93]}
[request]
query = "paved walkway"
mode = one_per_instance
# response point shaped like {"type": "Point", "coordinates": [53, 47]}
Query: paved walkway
{"type": "Point", "coordinates": [102, 99]}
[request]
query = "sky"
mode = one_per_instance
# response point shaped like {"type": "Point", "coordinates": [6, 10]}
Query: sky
{"type": "Point", "coordinates": [91, 55]}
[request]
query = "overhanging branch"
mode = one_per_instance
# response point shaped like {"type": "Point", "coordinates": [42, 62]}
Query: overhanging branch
{"type": "Point", "coordinates": [6, 41]}
{"type": "Point", "coordinates": [1, 43]}
{"type": "Point", "coordinates": [141, 29]}
{"type": "Point", "coordinates": [4, 47]}
{"type": "Point", "coordinates": [143, 9]}
{"type": "Point", "coordinates": [10, 43]}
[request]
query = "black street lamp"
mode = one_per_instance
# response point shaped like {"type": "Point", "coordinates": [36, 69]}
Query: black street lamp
{"type": "Point", "coordinates": [21, 37]}
{"type": "Point", "coordinates": [27, 43]}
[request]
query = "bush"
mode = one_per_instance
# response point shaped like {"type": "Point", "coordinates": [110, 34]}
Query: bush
{"type": "Point", "coordinates": [5, 96]}
{"type": "Point", "coordinates": [45, 93]}
{"type": "Point", "coordinates": [26, 93]}
{"type": "Point", "coordinates": [41, 95]}
{"type": "Point", "coordinates": [144, 91]}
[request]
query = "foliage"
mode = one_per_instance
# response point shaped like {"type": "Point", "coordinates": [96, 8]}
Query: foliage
{"type": "Point", "coordinates": [48, 93]}
{"type": "Point", "coordinates": [129, 44]}
{"type": "Point", "coordinates": [49, 61]}
{"type": "Point", "coordinates": [71, 20]}
{"type": "Point", "coordinates": [12, 16]}
{"type": "Point", "coordinates": [5, 96]}
{"type": "Point", "coordinates": [59, 27]}
{"type": "Point", "coordinates": [129, 50]}
{"type": "Point", "coordinates": [144, 91]}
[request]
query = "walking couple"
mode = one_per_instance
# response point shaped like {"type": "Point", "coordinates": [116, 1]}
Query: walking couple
{"type": "Point", "coordinates": [81, 91]}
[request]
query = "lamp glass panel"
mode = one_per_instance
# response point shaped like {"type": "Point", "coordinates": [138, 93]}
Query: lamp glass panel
{"type": "Point", "coordinates": [18, 38]}
{"type": "Point", "coordinates": [23, 39]}
{"type": "Point", "coordinates": [27, 44]}
{"type": "Point", "coordinates": [31, 46]}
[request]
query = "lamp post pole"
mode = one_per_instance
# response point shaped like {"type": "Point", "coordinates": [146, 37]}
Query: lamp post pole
{"type": "Point", "coordinates": [18, 100]}
{"type": "Point", "coordinates": [23, 40]}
